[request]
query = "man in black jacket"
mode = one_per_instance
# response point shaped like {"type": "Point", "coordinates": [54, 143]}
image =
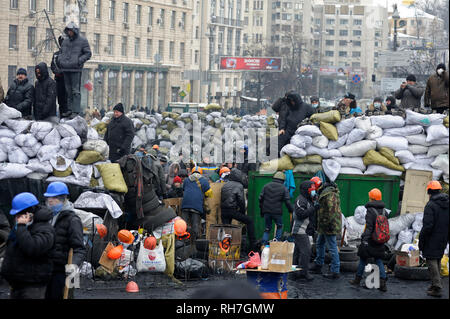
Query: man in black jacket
{"type": "Point", "coordinates": [410, 93]}
{"type": "Point", "coordinates": [246, 166]}
{"type": "Point", "coordinates": [27, 265]}
{"type": "Point", "coordinates": [233, 205]}
{"type": "Point", "coordinates": [433, 237]}
{"type": "Point", "coordinates": [20, 94]}
{"type": "Point", "coordinates": [69, 235]}
{"type": "Point", "coordinates": [59, 79]}
{"type": "Point", "coordinates": [296, 112]}
{"type": "Point", "coordinates": [302, 228]}
{"type": "Point", "coordinates": [370, 248]}
{"type": "Point", "coordinates": [74, 52]}
{"type": "Point", "coordinates": [271, 201]}
{"type": "Point", "coordinates": [44, 94]}
{"type": "Point", "coordinates": [119, 134]}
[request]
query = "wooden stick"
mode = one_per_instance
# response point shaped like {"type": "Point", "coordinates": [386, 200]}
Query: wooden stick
{"type": "Point", "coordinates": [69, 262]}
{"type": "Point", "coordinates": [343, 236]}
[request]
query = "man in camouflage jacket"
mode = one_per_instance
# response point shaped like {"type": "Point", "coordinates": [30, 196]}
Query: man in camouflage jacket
{"type": "Point", "coordinates": [329, 224]}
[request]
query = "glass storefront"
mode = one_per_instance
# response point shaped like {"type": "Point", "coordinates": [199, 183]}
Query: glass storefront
{"type": "Point", "coordinates": [98, 89]}
{"type": "Point", "coordinates": [112, 88]}
{"type": "Point", "coordinates": [138, 88]}
{"type": "Point", "coordinates": [162, 90]}
{"type": "Point", "coordinates": [150, 89]}
{"type": "Point", "coordinates": [126, 87]}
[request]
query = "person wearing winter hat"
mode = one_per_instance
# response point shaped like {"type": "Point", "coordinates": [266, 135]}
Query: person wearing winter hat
{"type": "Point", "coordinates": [409, 93]}
{"type": "Point", "coordinates": [20, 94]}
{"type": "Point", "coordinates": [176, 191]}
{"type": "Point", "coordinates": [376, 106]}
{"type": "Point", "coordinates": [119, 134]}
{"type": "Point", "coordinates": [391, 104]}
{"type": "Point", "coordinates": [437, 91]}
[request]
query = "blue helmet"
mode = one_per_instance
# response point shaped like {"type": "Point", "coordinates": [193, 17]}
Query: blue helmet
{"type": "Point", "coordinates": [244, 147]}
{"type": "Point", "coordinates": [23, 201]}
{"type": "Point", "coordinates": [56, 189]}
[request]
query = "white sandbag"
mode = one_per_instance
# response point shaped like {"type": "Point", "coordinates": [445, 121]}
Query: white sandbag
{"type": "Point", "coordinates": [350, 171]}
{"type": "Point", "coordinates": [358, 149]}
{"type": "Point", "coordinates": [142, 134]}
{"type": "Point", "coordinates": [72, 154]}
{"type": "Point", "coordinates": [436, 132]}
{"type": "Point", "coordinates": [418, 139]}
{"type": "Point", "coordinates": [47, 152]}
{"type": "Point", "coordinates": [70, 142]}
{"type": "Point", "coordinates": [404, 131]}
{"type": "Point", "coordinates": [441, 163]}
{"type": "Point", "coordinates": [392, 241]}
{"type": "Point", "coordinates": [417, 149]}
{"type": "Point", "coordinates": [374, 132]}
{"type": "Point", "coordinates": [78, 123]}
{"type": "Point", "coordinates": [92, 134]}
{"type": "Point", "coordinates": [16, 155]}
{"type": "Point", "coordinates": [136, 142]}
{"type": "Point", "coordinates": [324, 153]}
{"type": "Point", "coordinates": [435, 150]}
{"type": "Point", "coordinates": [363, 123]}
{"type": "Point", "coordinates": [387, 121]}
{"type": "Point", "coordinates": [355, 135]}
{"type": "Point", "coordinates": [331, 168]}
{"type": "Point", "coordinates": [71, 179]}
{"type": "Point", "coordinates": [340, 142]}
{"type": "Point", "coordinates": [354, 229]}
{"type": "Point", "coordinates": [7, 113]}
{"type": "Point", "coordinates": [81, 171]}
{"type": "Point", "coordinates": [442, 141]}
{"type": "Point", "coordinates": [65, 130]}
{"type": "Point", "coordinates": [404, 156]}
{"type": "Point", "coordinates": [3, 156]}
{"type": "Point", "coordinates": [345, 126]}
{"type": "Point", "coordinates": [355, 162]}
{"type": "Point", "coordinates": [88, 220]}
{"type": "Point", "coordinates": [424, 167]}
{"type": "Point", "coordinates": [97, 145]}
{"type": "Point", "coordinates": [36, 175]}
{"type": "Point", "coordinates": [151, 134]}
{"type": "Point", "coordinates": [424, 119]}
{"type": "Point", "coordinates": [395, 143]}
{"type": "Point", "coordinates": [39, 167]}
{"type": "Point", "coordinates": [404, 237]}
{"type": "Point", "coordinates": [378, 169]}
{"type": "Point", "coordinates": [399, 223]}
{"type": "Point", "coordinates": [40, 129]}
{"type": "Point", "coordinates": [33, 150]}
{"type": "Point", "coordinates": [292, 151]}
{"type": "Point", "coordinates": [320, 141]}
{"type": "Point", "coordinates": [301, 141]}
{"type": "Point", "coordinates": [52, 138]}
{"type": "Point", "coordinates": [60, 162]}
{"type": "Point", "coordinates": [27, 140]}
{"type": "Point", "coordinates": [94, 122]}
{"type": "Point", "coordinates": [18, 126]}
{"type": "Point", "coordinates": [418, 222]}
{"type": "Point", "coordinates": [90, 199]}
{"type": "Point", "coordinates": [424, 159]}
{"type": "Point", "coordinates": [13, 170]}
{"type": "Point", "coordinates": [6, 132]}
{"type": "Point", "coordinates": [165, 144]}
{"type": "Point", "coordinates": [309, 130]}
{"type": "Point", "coordinates": [360, 215]}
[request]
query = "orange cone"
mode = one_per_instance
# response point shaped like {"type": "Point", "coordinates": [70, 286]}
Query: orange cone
{"type": "Point", "coordinates": [132, 287]}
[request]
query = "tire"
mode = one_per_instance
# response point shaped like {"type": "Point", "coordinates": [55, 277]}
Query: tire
{"type": "Point", "coordinates": [348, 249]}
{"type": "Point", "coordinates": [348, 256]}
{"type": "Point", "coordinates": [349, 266]}
{"type": "Point", "coordinates": [202, 245]}
{"type": "Point", "coordinates": [412, 273]}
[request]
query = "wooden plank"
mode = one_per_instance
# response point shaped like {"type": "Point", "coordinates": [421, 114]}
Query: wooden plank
{"type": "Point", "coordinates": [415, 195]}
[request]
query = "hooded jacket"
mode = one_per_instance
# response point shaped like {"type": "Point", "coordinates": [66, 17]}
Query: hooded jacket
{"type": "Point", "coordinates": [410, 96]}
{"type": "Point", "coordinates": [374, 208]}
{"type": "Point", "coordinates": [272, 197]}
{"type": "Point", "coordinates": [193, 196]}
{"type": "Point", "coordinates": [433, 237]}
{"type": "Point", "coordinates": [232, 193]}
{"type": "Point", "coordinates": [294, 114]}
{"type": "Point", "coordinates": [74, 51]}
{"type": "Point", "coordinates": [27, 258]}
{"type": "Point", "coordinates": [20, 96]}
{"type": "Point", "coordinates": [391, 106]}
{"type": "Point", "coordinates": [119, 136]}
{"type": "Point", "coordinates": [44, 94]}
{"type": "Point", "coordinates": [329, 220]}
{"type": "Point", "coordinates": [436, 92]}
{"type": "Point", "coordinates": [304, 212]}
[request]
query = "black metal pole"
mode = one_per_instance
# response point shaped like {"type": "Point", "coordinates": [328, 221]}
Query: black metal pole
{"type": "Point", "coordinates": [51, 28]}
{"type": "Point", "coordinates": [259, 92]}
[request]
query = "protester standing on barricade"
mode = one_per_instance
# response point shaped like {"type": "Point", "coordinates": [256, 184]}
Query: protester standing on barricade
{"type": "Point", "coordinates": [370, 247]}
{"type": "Point", "coordinates": [437, 90]}
{"type": "Point", "coordinates": [20, 94]}
{"type": "Point", "coordinates": [119, 134]}
{"type": "Point", "coordinates": [69, 235]}
{"type": "Point", "coordinates": [409, 93]}
{"type": "Point", "coordinates": [59, 79]}
{"type": "Point", "coordinates": [433, 237]}
{"type": "Point", "coordinates": [44, 106]}
{"type": "Point", "coordinates": [27, 265]}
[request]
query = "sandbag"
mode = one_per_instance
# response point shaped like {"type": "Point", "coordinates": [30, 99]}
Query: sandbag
{"type": "Point", "coordinates": [446, 121]}
{"type": "Point", "coordinates": [340, 142]}
{"type": "Point", "coordinates": [82, 171]}
{"type": "Point", "coordinates": [404, 156]}
{"type": "Point", "coordinates": [441, 163]}
{"type": "Point", "coordinates": [7, 113]}
{"type": "Point", "coordinates": [63, 173]}
{"type": "Point", "coordinates": [60, 163]}
{"type": "Point", "coordinates": [373, 157]}
{"type": "Point", "coordinates": [308, 130]}
{"type": "Point", "coordinates": [320, 141]}
{"type": "Point", "coordinates": [332, 117]}
{"type": "Point", "coordinates": [323, 152]}
{"type": "Point", "coordinates": [331, 168]}
{"type": "Point", "coordinates": [33, 150]}
{"type": "Point", "coordinates": [374, 132]}
{"type": "Point", "coordinates": [360, 215]}
{"type": "Point", "coordinates": [97, 145]}
{"type": "Point", "coordinates": [278, 164]}
{"type": "Point", "coordinates": [357, 149]}
{"type": "Point", "coordinates": [354, 229]}
{"type": "Point", "coordinates": [52, 138]}
{"type": "Point", "coordinates": [301, 141]}
{"type": "Point", "coordinates": [88, 220]}
{"type": "Point", "coordinates": [418, 139]}
{"type": "Point", "coordinates": [436, 132]}
{"type": "Point", "coordinates": [441, 141]}
{"type": "Point", "coordinates": [378, 169]}
{"type": "Point", "coordinates": [112, 177]}
{"type": "Point", "coordinates": [329, 130]}
{"type": "Point", "coordinates": [79, 124]}
{"type": "Point", "coordinates": [355, 135]}
{"type": "Point", "coordinates": [293, 151]}
{"type": "Point", "coordinates": [309, 159]}
{"type": "Point", "coordinates": [363, 123]}
{"type": "Point", "coordinates": [39, 167]}
{"type": "Point", "coordinates": [16, 155]}
{"type": "Point", "coordinates": [435, 150]}
{"type": "Point", "coordinates": [70, 142]}
{"type": "Point", "coordinates": [423, 119]}
{"type": "Point", "coordinates": [65, 130]}
{"type": "Point", "coordinates": [417, 149]}
{"type": "Point", "coordinates": [389, 154]}
{"type": "Point", "coordinates": [92, 134]}
{"type": "Point", "coordinates": [307, 168]}
{"type": "Point", "coordinates": [46, 152]}
{"type": "Point", "coordinates": [350, 171]}
{"type": "Point", "coordinates": [89, 157]}
{"type": "Point", "coordinates": [387, 121]}
{"type": "Point", "coordinates": [25, 140]}
{"type": "Point", "coordinates": [3, 156]}
{"type": "Point", "coordinates": [345, 126]}
{"type": "Point", "coordinates": [424, 167]}
{"type": "Point", "coordinates": [423, 159]}
{"type": "Point", "coordinates": [19, 126]}
{"type": "Point", "coordinates": [395, 143]}
{"type": "Point", "coordinates": [399, 223]}
{"type": "Point", "coordinates": [355, 162]}
{"type": "Point", "coordinates": [13, 170]}
{"type": "Point", "coordinates": [404, 131]}
{"type": "Point", "coordinates": [70, 153]}
{"type": "Point", "coordinates": [6, 132]}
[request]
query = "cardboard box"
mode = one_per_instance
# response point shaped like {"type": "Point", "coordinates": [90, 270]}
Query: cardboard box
{"type": "Point", "coordinates": [107, 263]}
{"type": "Point", "coordinates": [280, 256]}
{"type": "Point", "coordinates": [408, 259]}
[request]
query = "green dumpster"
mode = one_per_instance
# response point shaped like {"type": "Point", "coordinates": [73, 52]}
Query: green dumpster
{"type": "Point", "coordinates": [354, 191]}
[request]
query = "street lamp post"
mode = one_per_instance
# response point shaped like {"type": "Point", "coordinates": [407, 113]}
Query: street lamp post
{"type": "Point", "coordinates": [395, 17]}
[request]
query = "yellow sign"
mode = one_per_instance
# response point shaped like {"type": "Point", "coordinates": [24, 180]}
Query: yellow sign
{"type": "Point", "coordinates": [408, 2]}
{"type": "Point", "coordinates": [188, 87]}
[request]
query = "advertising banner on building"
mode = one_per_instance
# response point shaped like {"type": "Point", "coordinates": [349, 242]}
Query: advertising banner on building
{"type": "Point", "coordinates": [250, 64]}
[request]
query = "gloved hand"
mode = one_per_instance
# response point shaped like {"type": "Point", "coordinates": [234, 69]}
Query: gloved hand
{"type": "Point", "coordinates": [363, 250]}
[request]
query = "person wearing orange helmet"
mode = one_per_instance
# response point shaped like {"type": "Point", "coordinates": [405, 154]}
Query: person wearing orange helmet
{"type": "Point", "coordinates": [369, 247]}
{"type": "Point", "coordinates": [433, 237]}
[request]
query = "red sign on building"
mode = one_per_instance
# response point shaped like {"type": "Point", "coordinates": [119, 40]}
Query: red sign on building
{"type": "Point", "coordinates": [250, 64]}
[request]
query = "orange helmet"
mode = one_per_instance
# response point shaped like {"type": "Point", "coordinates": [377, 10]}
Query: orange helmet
{"type": "Point", "coordinates": [150, 243]}
{"type": "Point", "coordinates": [180, 226]}
{"type": "Point", "coordinates": [435, 185]}
{"type": "Point", "coordinates": [197, 169]}
{"type": "Point", "coordinates": [316, 181]}
{"type": "Point", "coordinates": [375, 194]}
{"type": "Point", "coordinates": [132, 287]}
{"type": "Point", "coordinates": [101, 230]}
{"type": "Point", "coordinates": [125, 236]}
{"type": "Point", "coordinates": [156, 147]}
{"type": "Point", "coordinates": [224, 170]}
{"type": "Point", "coordinates": [115, 253]}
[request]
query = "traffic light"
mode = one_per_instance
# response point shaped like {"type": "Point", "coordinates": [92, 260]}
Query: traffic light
{"type": "Point", "coordinates": [373, 77]}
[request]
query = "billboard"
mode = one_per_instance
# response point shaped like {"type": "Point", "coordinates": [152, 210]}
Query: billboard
{"type": "Point", "coordinates": [250, 64]}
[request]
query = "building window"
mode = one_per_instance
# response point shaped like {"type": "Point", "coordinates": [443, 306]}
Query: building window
{"type": "Point", "coordinates": [125, 12]}
{"type": "Point", "coordinates": [343, 33]}
{"type": "Point", "coordinates": [110, 48]}
{"type": "Point", "coordinates": [161, 17]}
{"type": "Point", "coordinates": [48, 40]}
{"type": "Point", "coordinates": [150, 89]}
{"type": "Point", "coordinates": [330, 21]}
{"type": "Point", "coordinates": [124, 46]}
{"type": "Point", "coordinates": [32, 5]}
{"type": "Point", "coordinates": [171, 50]}
{"type": "Point", "coordinates": [126, 88]}
{"type": "Point", "coordinates": [138, 13]}
{"type": "Point", "coordinates": [50, 6]}
{"type": "Point", "coordinates": [197, 32]}
{"type": "Point", "coordinates": [97, 9]}
{"type": "Point", "coordinates": [31, 74]}
{"type": "Point", "coordinates": [12, 69]}
{"type": "Point", "coordinates": [357, 33]}
{"type": "Point", "coordinates": [356, 64]}
{"type": "Point", "coordinates": [330, 32]}
{"type": "Point", "coordinates": [138, 88]}
{"type": "Point", "coordinates": [150, 15]}
{"type": "Point", "coordinates": [173, 19]}
{"type": "Point", "coordinates": [356, 54]}
{"type": "Point", "coordinates": [183, 20]}
{"type": "Point", "coordinates": [329, 42]}
{"type": "Point", "coordinates": [112, 10]}
{"type": "Point", "coordinates": [196, 57]}
{"type": "Point", "coordinates": [376, 43]}
{"type": "Point", "coordinates": [356, 43]}
{"type": "Point", "coordinates": [31, 38]}
{"type": "Point", "coordinates": [112, 87]}
{"type": "Point", "coordinates": [343, 53]}
{"type": "Point", "coordinates": [137, 47]}
{"type": "Point", "coordinates": [13, 4]}
{"type": "Point", "coordinates": [357, 22]}
{"type": "Point", "coordinates": [316, 43]}
{"type": "Point", "coordinates": [342, 43]}
{"type": "Point", "coordinates": [96, 43]}
{"type": "Point", "coordinates": [317, 21]}
{"type": "Point", "coordinates": [343, 21]}
{"type": "Point", "coordinates": [329, 53]}
{"type": "Point", "coordinates": [182, 50]}
{"type": "Point", "coordinates": [149, 48]}
{"type": "Point", "coordinates": [161, 48]}
{"type": "Point", "coordinates": [12, 36]}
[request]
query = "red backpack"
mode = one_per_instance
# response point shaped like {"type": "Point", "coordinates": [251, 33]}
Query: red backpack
{"type": "Point", "coordinates": [381, 234]}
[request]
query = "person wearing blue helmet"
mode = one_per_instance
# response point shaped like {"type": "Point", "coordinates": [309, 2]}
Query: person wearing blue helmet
{"type": "Point", "coordinates": [69, 234]}
{"type": "Point", "coordinates": [27, 266]}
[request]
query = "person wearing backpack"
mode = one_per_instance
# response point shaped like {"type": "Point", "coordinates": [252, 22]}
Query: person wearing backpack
{"type": "Point", "coordinates": [375, 235]}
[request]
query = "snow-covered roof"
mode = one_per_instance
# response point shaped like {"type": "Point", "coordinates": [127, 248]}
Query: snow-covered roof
{"type": "Point", "coordinates": [406, 12]}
